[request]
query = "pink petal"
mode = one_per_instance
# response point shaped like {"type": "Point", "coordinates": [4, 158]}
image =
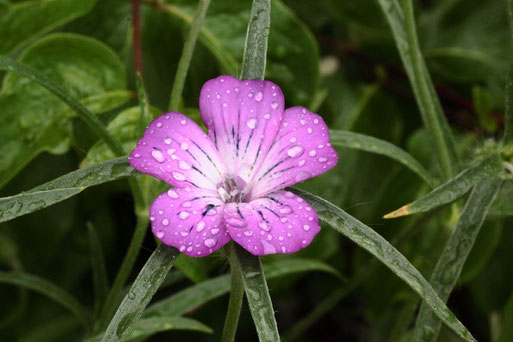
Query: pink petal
{"type": "Point", "coordinates": [243, 118]}
{"type": "Point", "coordinates": [175, 149]}
{"type": "Point", "coordinates": [301, 151]}
{"type": "Point", "coordinates": [189, 219]}
{"type": "Point", "coordinates": [281, 222]}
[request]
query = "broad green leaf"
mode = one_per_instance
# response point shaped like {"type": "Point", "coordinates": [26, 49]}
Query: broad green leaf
{"type": "Point", "coordinates": [374, 145]}
{"type": "Point", "coordinates": [455, 253]}
{"type": "Point", "coordinates": [63, 188]}
{"type": "Point", "coordinates": [146, 327]}
{"type": "Point", "coordinates": [403, 28]}
{"type": "Point", "coordinates": [33, 120]}
{"type": "Point", "coordinates": [197, 295]}
{"type": "Point", "coordinates": [257, 294]}
{"type": "Point", "coordinates": [451, 190]}
{"type": "Point", "coordinates": [46, 288]}
{"type": "Point", "coordinates": [142, 291]}
{"type": "Point", "coordinates": [293, 56]}
{"type": "Point", "coordinates": [99, 270]}
{"type": "Point", "coordinates": [375, 244]}
{"type": "Point", "coordinates": [125, 127]}
{"type": "Point", "coordinates": [26, 20]}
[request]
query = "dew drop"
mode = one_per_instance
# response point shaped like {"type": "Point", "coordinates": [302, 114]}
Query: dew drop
{"type": "Point", "coordinates": [215, 231]}
{"type": "Point", "coordinates": [285, 210]}
{"type": "Point", "coordinates": [301, 176]}
{"type": "Point", "coordinates": [252, 123]}
{"type": "Point", "coordinates": [250, 94]}
{"type": "Point", "coordinates": [295, 151]}
{"type": "Point", "coordinates": [323, 159]}
{"type": "Point", "coordinates": [165, 222]}
{"type": "Point", "coordinates": [183, 122]}
{"type": "Point", "coordinates": [267, 116]}
{"type": "Point", "coordinates": [186, 204]}
{"type": "Point", "coordinates": [182, 164]}
{"type": "Point", "coordinates": [137, 155]}
{"type": "Point", "coordinates": [158, 155]}
{"type": "Point", "coordinates": [160, 234]}
{"type": "Point", "coordinates": [200, 226]}
{"type": "Point", "coordinates": [171, 151]}
{"type": "Point", "coordinates": [248, 233]}
{"type": "Point", "coordinates": [301, 162]}
{"type": "Point", "coordinates": [263, 225]}
{"type": "Point", "coordinates": [183, 215]}
{"type": "Point", "coordinates": [309, 130]}
{"type": "Point", "coordinates": [283, 249]}
{"type": "Point", "coordinates": [167, 141]}
{"type": "Point", "coordinates": [184, 146]}
{"type": "Point", "coordinates": [182, 248]}
{"type": "Point", "coordinates": [302, 121]}
{"type": "Point", "coordinates": [289, 194]}
{"type": "Point", "coordinates": [306, 227]}
{"type": "Point", "coordinates": [312, 153]}
{"type": "Point", "coordinates": [178, 175]}
{"type": "Point", "coordinates": [210, 242]}
{"type": "Point", "coordinates": [316, 121]}
{"type": "Point", "coordinates": [171, 193]}
{"type": "Point", "coordinates": [184, 234]}
{"type": "Point", "coordinates": [259, 96]}
{"type": "Point", "coordinates": [268, 247]}
{"type": "Point", "coordinates": [274, 105]}
{"type": "Point", "coordinates": [293, 139]}
{"type": "Point", "coordinates": [159, 124]}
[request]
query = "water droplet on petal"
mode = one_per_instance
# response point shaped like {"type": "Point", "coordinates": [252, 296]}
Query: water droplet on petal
{"type": "Point", "coordinates": [309, 130]}
{"type": "Point", "coordinates": [302, 121]}
{"type": "Point", "coordinates": [301, 162]}
{"type": "Point", "coordinates": [215, 231]}
{"type": "Point", "coordinates": [248, 232]}
{"type": "Point", "coordinates": [210, 242]}
{"type": "Point", "coordinates": [159, 124]}
{"type": "Point", "coordinates": [236, 222]}
{"type": "Point", "coordinates": [183, 122]}
{"type": "Point", "coordinates": [285, 210]}
{"type": "Point", "coordinates": [306, 227]}
{"type": "Point", "coordinates": [171, 193]}
{"type": "Point", "coordinates": [268, 247]}
{"type": "Point", "coordinates": [263, 225]}
{"type": "Point", "coordinates": [160, 234]}
{"type": "Point", "coordinates": [182, 164]}
{"type": "Point", "coordinates": [182, 248]}
{"type": "Point", "coordinates": [289, 194]}
{"type": "Point", "coordinates": [200, 226]}
{"type": "Point", "coordinates": [295, 151]}
{"type": "Point", "coordinates": [184, 234]}
{"type": "Point", "coordinates": [158, 155]}
{"type": "Point", "coordinates": [323, 159]}
{"type": "Point", "coordinates": [259, 96]}
{"type": "Point", "coordinates": [267, 116]}
{"type": "Point", "coordinates": [252, 123]}
{"type": "Point", "coordinates": [184, 146]}
{"type": "Point", "coordinates": [301, 176]}
{"type": "Point", "coordinates": [167, 141]}
{"type": "Point", "coordinates": [250, 94]}
{"type": "Point", "coordinates": [178, 175]}
{"type": "Point", "coordinates": [171, 151]}
{"type": "Point", "coordinates": [165, 222]}
{"type": "Point", "coordinates": [283, 249]}
{"type": "Point", "coordinates": [312, 153]}
{"type": "Point", "coordinates": [186, 204]}
{"type": "Point", "coordinates": [274, 105]}
{"type": "Point", "coordinates": [183, 214]}
{"type": "Point", "coordinates": [293, 139]}
{"type": "Point", "coordinates": [316, 121]}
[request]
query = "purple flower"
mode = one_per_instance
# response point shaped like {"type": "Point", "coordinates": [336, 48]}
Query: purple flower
{"type": "Point", "coordinates": [227, 184]}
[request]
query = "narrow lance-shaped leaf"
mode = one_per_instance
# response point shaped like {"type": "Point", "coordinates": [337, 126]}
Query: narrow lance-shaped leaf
{"type": "Point", "coordinates": [378, 146]}
{"type": "Point", "coordinates": [63, 188]}
{"type": "Point", "coordinates": [508, 106]}
{"type": "Point", "coordinates": [255, 46]}
{"type": "Point", "coordinates": [257, 294]}
{"type": "Point", "coordinates": [448, 268]}
{"type": "Point", "coordinates": [144, 287]}
{"type": "Point", "coordinates": [375, 244]}
{"type": "Point", "coordinates": [402, 24]}
{"type": "Point", "coordinates": [146, 327]}
{"type": "Point", "coordinates": [48, 289]}
{"type": "Point", "coordinates": [450, 191]}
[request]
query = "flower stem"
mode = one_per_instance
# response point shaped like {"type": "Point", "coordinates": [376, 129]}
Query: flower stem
{"type": "Point", "coordinates": [124, 271]}
{"type": "Point", "coordinates": [187, 52]}
{"type": "Point", "coordinates": [236, 297]}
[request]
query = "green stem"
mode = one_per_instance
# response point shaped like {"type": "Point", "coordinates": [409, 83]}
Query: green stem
{"type": "Point", "coordinates": [257, 293]}
{"type": "Point", "coordinates": [236, 297]}
{"type": "Point", "coordinates": [187, 52]}
{"type": "Point", "coordinates": [424, 93]}
{"type": "Point", "coordinates": [124, 271]}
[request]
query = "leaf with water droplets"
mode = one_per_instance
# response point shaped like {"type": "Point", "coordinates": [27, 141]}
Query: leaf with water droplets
{"type": "Point", "coordinates": [448, 268]}
{"type": "Point", "coordinates": [375, 244]}
{"type": "Point", "coordinates": [63, 188]}
{"type": "Point", "coordinates": [142, 291]}
{"type": "Point", "coordinates": [370, 144]}
{"type": "Point", "coordinates": [451, 190]}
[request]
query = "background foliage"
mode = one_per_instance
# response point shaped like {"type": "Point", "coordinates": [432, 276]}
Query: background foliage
{"type": "Point", "coordinates": [338, 58]}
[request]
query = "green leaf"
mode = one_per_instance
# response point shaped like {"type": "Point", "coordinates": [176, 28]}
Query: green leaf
{"type": "Point", "coordinates": [197, 295]}
{"type": "Point", "coordinates": [375, 244]}
{"type": "Point", "coordinates": [448, 268]}
{"type": "Point", "coordinates": [26, 20]}
{"type": "Point", "coordinates": [125, 127]}
{"type": "Point", "coordinates": [33, 120]}
{"type": "Point", "coordinates": [142, 291]}
{"type": "Point", "coordinates": [257, 294]}
{"type": "Point", "coordinates": [508, 106]}
{"type": "Point", "coordinates": [146, 327]}
{"type": "Point", "coordinates": [63, 188]}
{"type": "Point", "coordinates": [451, 190]}
{"type": "Point", "coordinates": [403, 28]}
{"type": "Point", "coordinates": [193, 268]}
{"type": "Point", "coordinates": [503, 205]}
{"type": "Point", "coordinates": [255, 46]}
{"type": "Point", "coordinates": [99, 270]}
{"type": "Point", "coordinates": [46, 288]}
{"type": "Point", "coordinates": [378, 146]}
{"type": "Point", "coordinates": [293, 56]}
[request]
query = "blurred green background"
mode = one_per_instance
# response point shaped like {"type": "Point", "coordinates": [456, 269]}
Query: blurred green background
{"type": "Point", "coordinates": [336, 57]}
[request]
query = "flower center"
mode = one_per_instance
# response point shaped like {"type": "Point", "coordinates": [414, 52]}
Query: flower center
{"type": "Point", "coordinates": [233, 189]}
